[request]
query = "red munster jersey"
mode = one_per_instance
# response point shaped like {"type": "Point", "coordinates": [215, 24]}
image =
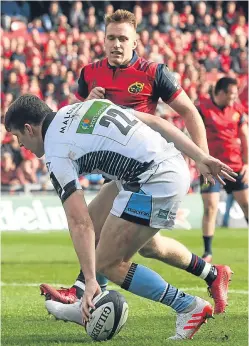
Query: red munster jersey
{"type": "Point", "coordinates": [222, 126]}
{"type": "Point", "coordinates": [137, 85]}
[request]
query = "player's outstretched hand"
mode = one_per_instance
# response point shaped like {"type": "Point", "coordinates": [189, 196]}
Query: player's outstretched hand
{"type": "Point", "coordinates": [212, 168]}
{"type": "Point", "coordinates": [96, 93]}
{"type": "Point", "coordinates": [92, 289]}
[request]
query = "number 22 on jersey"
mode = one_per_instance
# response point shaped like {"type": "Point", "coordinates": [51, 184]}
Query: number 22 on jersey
{"type": "Point", "coordinates": [104, 119]}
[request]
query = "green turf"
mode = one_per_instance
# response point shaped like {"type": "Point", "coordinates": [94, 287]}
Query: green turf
{"type": "Point", "coordinates": [49, 257]}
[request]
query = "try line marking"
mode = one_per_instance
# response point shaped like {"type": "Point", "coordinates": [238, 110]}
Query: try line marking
{"type": "Point", "coordinates": [30, 284]}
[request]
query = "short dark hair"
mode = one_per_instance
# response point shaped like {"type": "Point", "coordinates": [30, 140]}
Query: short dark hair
{"type": "Point", "coordinates": [224, 83]}
{"type": "Point", "coordinates": [26, 109]}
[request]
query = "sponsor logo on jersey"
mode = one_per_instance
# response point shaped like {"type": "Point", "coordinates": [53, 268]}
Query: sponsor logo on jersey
{"type": "Point", "coordinates": [136, 88]}
{"type": "Point", "coordinates": [138, 212]}
{"type": "Point", "coordinates": [89, 120]}
{"type": "Point", "coordinates": [69, 116]}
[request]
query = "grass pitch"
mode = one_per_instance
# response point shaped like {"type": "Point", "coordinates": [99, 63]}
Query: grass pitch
{"type": "Point", "coordinates": [30, 259]}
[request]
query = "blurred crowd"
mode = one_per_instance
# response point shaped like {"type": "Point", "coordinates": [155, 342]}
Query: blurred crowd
{"type": "Point", "coordinates": [45, 45]}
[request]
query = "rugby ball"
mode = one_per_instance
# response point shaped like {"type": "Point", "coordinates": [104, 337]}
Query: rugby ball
{"type": "Point", "coordinates": [109, 316]}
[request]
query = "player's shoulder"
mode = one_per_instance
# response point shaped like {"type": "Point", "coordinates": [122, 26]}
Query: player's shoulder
{"type": "Point", "coordinates": [238, 107]}
{"type": "Point", "coordinates": [146, 66]}
{"type": "Point", "coordinates": [205, 103]}
{"type": "Point", "coordinates": [94, 66]}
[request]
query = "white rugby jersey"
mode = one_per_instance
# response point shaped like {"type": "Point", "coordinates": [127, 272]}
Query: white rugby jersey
{"type": "Point", "coordinates": [97, 136]}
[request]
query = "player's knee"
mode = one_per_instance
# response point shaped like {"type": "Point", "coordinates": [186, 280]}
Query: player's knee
{"type": "Point", "coordinates": [107, 266]}
{"type": "Point", "coordinates": [149, 250]}
{"type": "Point", "coordinates": [244, 207]}
{"type": "Point", "coordinates": [210, 211]}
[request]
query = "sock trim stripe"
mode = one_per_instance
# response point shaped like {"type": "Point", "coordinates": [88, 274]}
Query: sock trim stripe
{"type": "Point", "coordinates": [205, 271]}
{"type": "Point", "coordinates": [174, 297]}
{"type": "Point", "coordinates": [127, 281]}
{"type": "Point", "coordinates": [80, 284]}
{"type": "Point", "coordinates": [164, 293]}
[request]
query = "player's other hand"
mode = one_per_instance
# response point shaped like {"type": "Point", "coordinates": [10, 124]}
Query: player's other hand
{"type": "Point", "coordinates": [244, 173]}
{"type": "Point", "coordinates": [92, 289]}
{"type": "Point", "coordinates": [212, 168]}
{"type": "Point", "coordinates": [96, 93]}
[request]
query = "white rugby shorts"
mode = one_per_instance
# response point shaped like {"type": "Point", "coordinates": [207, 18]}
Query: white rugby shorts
{"type": "Point", "coordinates": [161, 191]}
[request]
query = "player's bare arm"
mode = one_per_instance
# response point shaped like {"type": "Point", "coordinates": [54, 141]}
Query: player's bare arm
{"type": "Point", "coordinates": [82, 234]}
{"type": "Point", "coordinates": [208, 166]}
{"type": "Point", "coordinates": [243, 135]}
{"type": "Point", "coordinates": [168, 88]}
{"type": "Point", "coordinates": [194, 123]}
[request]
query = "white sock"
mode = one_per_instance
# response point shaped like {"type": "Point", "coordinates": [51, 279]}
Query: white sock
{"type": "Point", "coordinates": [80, 285]}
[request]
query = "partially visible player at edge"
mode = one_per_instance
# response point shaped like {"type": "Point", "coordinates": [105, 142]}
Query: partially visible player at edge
{"type": "Point", "coordinates": [131, 81]}
{"type": "Point", "coordinates": [150, 175]}
{"type": "Point", "coordinates": [227, 133]}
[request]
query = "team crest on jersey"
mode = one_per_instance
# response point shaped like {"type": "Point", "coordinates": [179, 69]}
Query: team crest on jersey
{"type": "Point", "coordinates": [236, 116]}
{"type": "Point", "coordinates": [136, 88]}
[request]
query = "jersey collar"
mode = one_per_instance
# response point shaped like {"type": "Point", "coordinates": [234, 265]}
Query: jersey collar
{"type": "Point", "coordinates": [220, 107]}
{"type": "Point", "coordinates": [47, 121]}
{"type": "Point", "coordinates": [133, 60]}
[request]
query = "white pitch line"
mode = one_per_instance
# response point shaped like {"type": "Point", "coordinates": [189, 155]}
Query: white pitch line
{"type": "Point", "coordinates": [196, 289]}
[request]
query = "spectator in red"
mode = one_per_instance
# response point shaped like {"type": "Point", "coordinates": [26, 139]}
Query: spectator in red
{"type": "Point", "coordinates": [22, 74]}
{"type": "Point", "coordinates": [200, 53]}
{"type": "Point", "coordinates": [9, 174]}
{"type": "Point", "coordinates": [5, 69]}
{"type": "Point", "coordinates": [6, 47]}
{"type": "Point", "coordinates": [63, 26]}
{"type": "Point", "coordinates": [50, 52]}
{"type": "Point", "coordinates": [187, 9]}
{"type": "Point", "coordinates": [34, 87]}
{"type": "Point", "coordinates": [240, 27]}
{"type": "Point", "coordinates": [225, 59]}
{"type": "Point", "coordinates": [29, 166]}
{"type": "Point", "coordinates": [203, 92]}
